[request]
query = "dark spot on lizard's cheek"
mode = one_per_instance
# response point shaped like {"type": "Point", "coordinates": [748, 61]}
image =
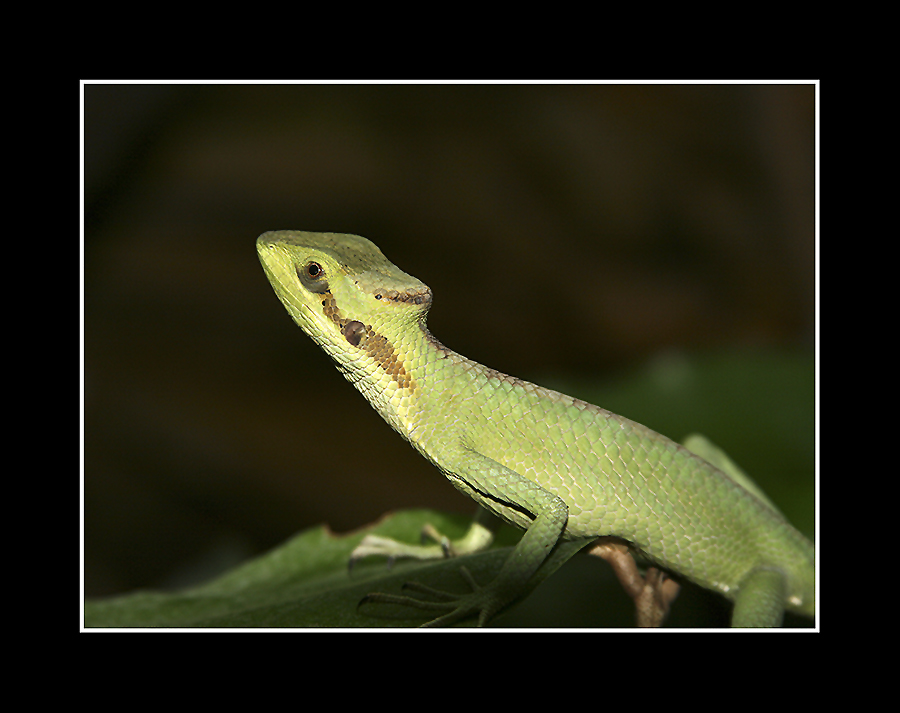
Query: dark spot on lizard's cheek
{"type": "Point", "coordinates": [353, 332]}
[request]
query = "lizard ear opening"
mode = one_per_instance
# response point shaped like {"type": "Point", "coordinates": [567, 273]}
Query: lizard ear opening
{"type": "Point", "coordinates": [312, 277]}
{"type": "Point", "coordinates": [353, 332]}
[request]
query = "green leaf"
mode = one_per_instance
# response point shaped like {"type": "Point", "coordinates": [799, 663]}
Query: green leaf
{"type": "Point", "coordinates": [306, 583]}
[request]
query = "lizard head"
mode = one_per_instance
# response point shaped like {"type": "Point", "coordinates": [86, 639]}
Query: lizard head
{"type": "Point", "coordinates": [341, 289]}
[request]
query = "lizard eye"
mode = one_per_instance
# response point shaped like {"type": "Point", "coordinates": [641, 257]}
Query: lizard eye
{"type": "Point", "coordinates": [312, 277]}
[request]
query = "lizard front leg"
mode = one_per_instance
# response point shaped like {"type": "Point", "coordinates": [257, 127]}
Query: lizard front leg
{"type": "Point", "coordinates": [500, 489]}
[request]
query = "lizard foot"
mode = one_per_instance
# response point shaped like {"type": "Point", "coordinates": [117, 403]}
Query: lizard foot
{"type": "Point", "coordinates": [457, 606]}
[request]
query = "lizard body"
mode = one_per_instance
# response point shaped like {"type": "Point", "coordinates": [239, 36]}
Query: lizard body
{"type": "Point", "coordinates": [554, 465]}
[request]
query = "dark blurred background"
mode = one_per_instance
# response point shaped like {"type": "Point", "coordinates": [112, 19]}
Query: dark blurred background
{"type": "Point", "coordinates": [571, 234]}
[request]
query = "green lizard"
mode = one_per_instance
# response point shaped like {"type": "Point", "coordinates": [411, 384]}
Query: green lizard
{"type": "Point", "coordinates": [558, 467]}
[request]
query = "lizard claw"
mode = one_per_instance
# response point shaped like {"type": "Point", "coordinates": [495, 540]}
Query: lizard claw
{"type": "Point", "coordinates": [456, 606]}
